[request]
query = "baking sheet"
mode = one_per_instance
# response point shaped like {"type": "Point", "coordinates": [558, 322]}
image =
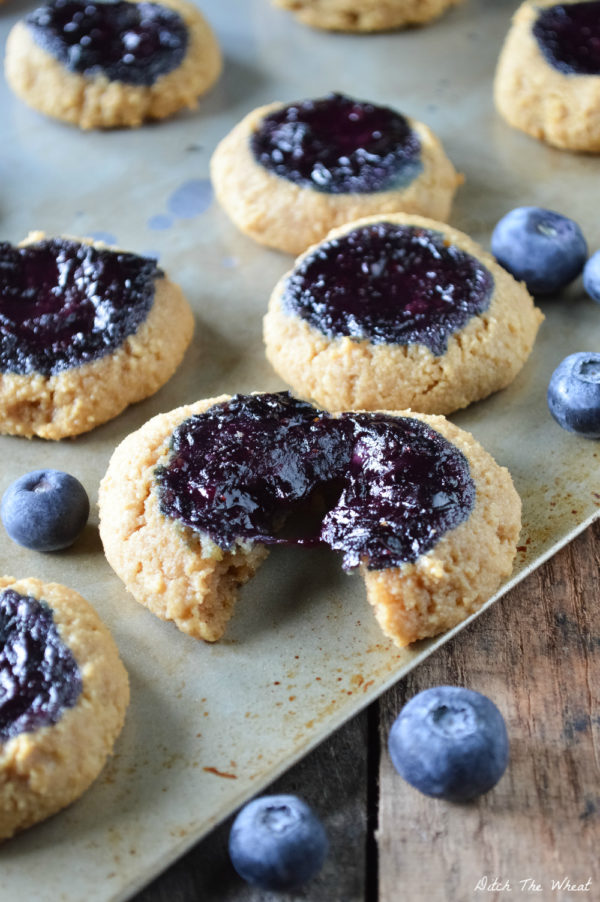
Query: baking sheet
{"type": "Point", "coordinates": [211, 725]}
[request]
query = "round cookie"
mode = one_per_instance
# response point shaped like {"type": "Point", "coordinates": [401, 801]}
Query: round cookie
{"type": "Point", "coordinates": [192, 500]}
{"type": "Point", "coordinates": [63, 704]}
{"type": "Point", "coordinates": [289, 173]}
{"type": "Point", "coordinates": [548, 76]}
{"type": "Point", "coordinates": [398, 312]}
{"type": "Point", "coordinates": [103, 65]}
{"type": "Point", "coordinates": [366, 15]}
{"type": "Point", "coordinates": [84, 331]}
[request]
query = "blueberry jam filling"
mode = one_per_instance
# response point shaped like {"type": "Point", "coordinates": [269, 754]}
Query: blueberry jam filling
{"type": "Point", "coordinates": [338, 145]}
{"type": "Point", "coordinates": [63, 303]}
{"type": "Point", "coordinates": [237, 471]}
{"type": "Point", "coordinates": [569, 37]}
{"type": "Point", "coordinates": [134, 43]}
{"type": "Point", "coordinates": [39, 676]}
{"type": "Point", "coordinates": [406, 486]}
{"type": "Point", "coordinates": [389, 284]}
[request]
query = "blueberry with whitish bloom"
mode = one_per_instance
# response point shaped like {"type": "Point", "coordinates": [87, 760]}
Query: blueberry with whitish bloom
{"type": "Point", "coordinates": [450, 743]}
{"type": "Point", "coordinates": [277, 842]}
{"type": "Point", "coordinates": [45, 510]}
{"type": "Point", "coordinates": [544, 249]}
{"type": "Point", "coordinates": [574, 394]}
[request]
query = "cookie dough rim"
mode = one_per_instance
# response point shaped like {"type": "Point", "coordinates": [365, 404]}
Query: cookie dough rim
{"type": "Point", "coordinates": [369, 20]}
{"type": "Point", "coordinates": [43, 771]}
{"type": "Point", "coordinates": [297, 216]}
{"type": "Point", "coordinates": [557, 104]}
{"type": "Point", "coordinates": [123, 517]}
{"type": "Point", "coordinates": [46, 85]}
{"type": "Point", "coordinates": [73, 412]}
{"type": "Point", "coordinates": [300, 353]}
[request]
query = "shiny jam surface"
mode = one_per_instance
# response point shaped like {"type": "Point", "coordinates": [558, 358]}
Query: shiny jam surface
{"type": "Point", "coordinates": [63, 303]}
{"type": "Point", "coordinates": [389, 487]}
{"type": "Point", "coordinates": [569, 37]}
{"type": "Point", "coordinates": [134, 43]}
{"type": "Point", "coordinates": [389, 284]}
{"type": "Point", "coordinates": [338, 145]}
{"type": "Point", "coordinates": [39, 676]}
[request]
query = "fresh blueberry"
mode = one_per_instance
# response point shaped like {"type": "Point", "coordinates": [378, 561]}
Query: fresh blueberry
{"type": "Point", "coordinates": [591, 277]}
{"type": "Point", "coordinates": [277, 842]}
{"type": "Point", "coordinates": [45, 510]}
{"type": "Point", "coordinates": [450, 743]}
{"type": "Point", "coordinates": [539, 247]}
{"type": "Point", "coordinates": [574, 394]}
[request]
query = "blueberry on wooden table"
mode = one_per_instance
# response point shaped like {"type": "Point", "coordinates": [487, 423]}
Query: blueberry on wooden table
{"type": "Point", "coordinates": [591, 277]}
{"type": "Point", "coordinates": [574, 394]}
{"type": "Point", "coordinates": [45, 510]}
{"type": "Point", "coordinates": [542, 248]}
{"type": "Point", "coordinates": [277, 842]}
{"type": "Point", "coordinates": [450, 743]}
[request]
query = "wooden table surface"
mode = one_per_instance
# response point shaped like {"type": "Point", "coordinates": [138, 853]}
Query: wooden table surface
{"type": "Point", "coordinates": [536, 653]}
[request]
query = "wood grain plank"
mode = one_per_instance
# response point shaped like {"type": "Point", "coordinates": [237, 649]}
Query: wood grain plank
{"type": "Point", "coordinates": [536, 653]}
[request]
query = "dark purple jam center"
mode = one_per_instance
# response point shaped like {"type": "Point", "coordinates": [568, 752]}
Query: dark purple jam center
{"type": "Point", "coordinates": [338, 145]}
{"type": "Point", "coordinates": [63, 303]}
{"type": "Point", "coordinates": [389, 284]}
{"type": "Point", "coordinates": [569, 37]}
{"type": "Point", "coordinates": [134, 43]}
{"type": "Point", "coordinates": [39, 676]}
{"type": "Point", "coordinates": [242, 468]}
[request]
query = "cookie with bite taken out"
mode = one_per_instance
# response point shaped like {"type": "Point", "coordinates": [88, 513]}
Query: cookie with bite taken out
{"type": "Point", "coordinates": [192, 501]}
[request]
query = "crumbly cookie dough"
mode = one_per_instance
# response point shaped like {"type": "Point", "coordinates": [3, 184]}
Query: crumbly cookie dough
{"type": "Point", "coordinates": [181, 575]}
{"type": "Point", "coordinates": [365, 15]}
{"type": "Point", "coordinates": [43, 83]}
{"type": "Point", "coordinates": [535, 97]}
{"type": "Point", "coordinates": [44, 770]}
{"type": "Point", "coordinates": [77, 399]}
{"type": "Point", "coordinates": [347, 374]}
{"type": "Point", "coordinates": [289, 217]}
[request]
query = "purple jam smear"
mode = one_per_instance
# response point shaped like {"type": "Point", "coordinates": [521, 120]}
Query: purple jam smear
{"type": "Point", "coordinates": [39, 676]}
{"type": "Point", "coordinates": [238, 471]}
{"type": "Point", "coordinates": [569, 37]}
{"type": "Point", "coordinates": [389, 284]}
{"type": "Point", "coordinates": [338, 145]}
{"type": "Point", "coordinates": [134, 43]}
{"type": "Point", "coordinates": [63, 303]}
